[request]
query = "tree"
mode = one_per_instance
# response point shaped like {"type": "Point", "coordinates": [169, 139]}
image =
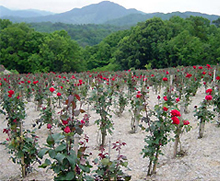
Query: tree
{"type": "Point", "coordinates": [216, 22]}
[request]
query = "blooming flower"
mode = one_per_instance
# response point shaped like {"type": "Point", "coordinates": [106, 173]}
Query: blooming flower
{"type": "Point", "coordinates": [185, 122]}
{"type": "Point", "coordinates": [49, 126]}
{"type": "Point", "coordinates": [208, 91]}
{"type": "Point", "coordinates": [208, 66]}
{"type": "Point", "coordinates": [165, 79]}
{"type": "Point", "coordinates": [35, 82]}
{"type": "Point", "coordinates": [138, 95]}
{"type": "Point", "coordinates": [165, 109]}
{"type": "Point", "coordinates": [177, 99]}
{"type": "Point", "coordinates": [52, 89]}
{"type": "Point", "coordinates": [175, 120]}
{"type": "Point", "coordinates": [65, 122]}
{"type": "Point", "coordinates": [82, 122]}
{"type": "Point", "coordinates": [175, 113]}
{"type": "Point", "coordinates": [165, 98]}
{"type": "Point", "coordinates": [188, 75]}
{"type": "Point", "coordinates": [58, 94]}
{"type": "Point", "coordinates": [218, 78]}
{"type": "Point", "coordinates": [208, 97]}
{"type": "Point", "coordinates": [67, 129]}
{"type": "Point", "coordinates": [11, 92]}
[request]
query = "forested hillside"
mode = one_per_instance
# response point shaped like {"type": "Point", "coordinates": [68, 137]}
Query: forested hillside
{"type": "Point", "coordinates": [86, 34]}
{"type": "Point", "coordinates": [156, 43]}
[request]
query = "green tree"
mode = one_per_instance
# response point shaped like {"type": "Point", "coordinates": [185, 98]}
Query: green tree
{"type": "Point", "coordinates": [59, 53]}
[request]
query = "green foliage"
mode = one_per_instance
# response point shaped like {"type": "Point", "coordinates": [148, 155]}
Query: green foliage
{"type": "Point", "coordinates": [111, 169]}
{"type": "Point", "coordinates": [26, 50]}
{"type": "Point", "coordinates": [156, 42]}
{"type": "Point", "coordinates": [84, 35]}
{"type": "Point", "coordinates": [21, 143]}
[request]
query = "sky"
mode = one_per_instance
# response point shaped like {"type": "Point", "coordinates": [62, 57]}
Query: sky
{"type": "Point", "coordinates": [147, 6]}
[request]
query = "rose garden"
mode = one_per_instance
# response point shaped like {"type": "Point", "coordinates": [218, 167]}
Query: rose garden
{"type": "Point", "coordinates": [79, 126]}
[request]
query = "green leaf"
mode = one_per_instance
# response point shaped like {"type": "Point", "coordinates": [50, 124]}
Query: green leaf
{"type": "Point", "coordinates": [125, 164]}
{"type": "Point", "coordinates": [47, 161]}
{"type": "Point", "coordinates": [57, 137]}
{"type": "Point", "coordinates": [42, 152]}
{"type": "Point", "coordinates": [50, 140]}
{"type": "Point", "coordinates": [84, 168]}
{"type": "Point", "coordinates": [52, 153]}
{"type": "Point", "coordinates": [60, 148]}
{"type": "Point", "coordinates": [72, 159]}
{"type": "Point", "coordinates": [44, 165]}
{"type": "Point", "coordinates": [70, 176]}
{"type": "Point", "coordinates": [59, 157]}
{"type": "Point", "coordinates": [105, 161]}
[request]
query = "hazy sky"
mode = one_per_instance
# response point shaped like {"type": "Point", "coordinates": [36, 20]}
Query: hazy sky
{"type": "Point", "coordinates": [165, 6]}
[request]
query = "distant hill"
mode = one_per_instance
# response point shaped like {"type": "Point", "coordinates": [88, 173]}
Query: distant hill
{"type": "Point", "coordinates": [5, 12]}
{"type": "Point", "coordinates": [133, 19]}
{"type": "Point", "coordinates": [105, 12]}
{"type": "Point", "coordinates": [91, 14]}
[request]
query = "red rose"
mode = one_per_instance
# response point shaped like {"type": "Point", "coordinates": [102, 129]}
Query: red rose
{"type": "Point", "coordinates": [65, 122]}
{"type": "Point", "coordinates": [11, 92]}
{"type": "Point", "coordinates": [200, 67]}
{"type": "Point", "coordinates": [177, 99]}
{"type": "Point", "coordinates": [194, 67]}
{"type": "Point", "coordinates": [218, 78]}
{"type": "Point", "coordinates": [208, 97]}
{"type": "Point", "coordinates": [185, 122]}
{"type": "Point", "coordinates": [52, 89]}
{"type": "Point", "coordinates": [138, 95]}
{"type": "Point", "coordinates": [208, 66]}
{"type": "Point", "coordinates": [188, 75]}
{"type": "Point", "coordinates": [165, 98]}
{"type": "Point", "coordinates": [49, 126]}
{"type": "Point", "coordinates": [67, 129]}
{"type": "Point", "coordinates": [82, 122]}
{"type": "Point", "coordinates": [175, 113]}
{"type": "Point", "coordinates": [165, 109]}
{"type": "Point", "coordinates": [58, 94]}
{"type": "Point", "coordinates": [35, 82]}
{"type": "Point", "coordinates": [175, 120]}
{"type": "Point", "coordinates": [165, 79]}
{"type": "Point", "coordinates": [208, 91]}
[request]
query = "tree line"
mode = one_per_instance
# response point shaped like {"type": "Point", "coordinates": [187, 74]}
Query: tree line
{"type": "Point", "coordinates": [155, 43]}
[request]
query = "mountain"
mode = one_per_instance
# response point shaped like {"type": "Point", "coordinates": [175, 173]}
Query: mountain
{"type": "Point", "coordinates": [5, 12]}
{"type": "Point", "coordinates": [105, 12]}
{"type": "Point", "coordinates": [133, 19]}
{"type": "Point", "coordinates": [91, 14]}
